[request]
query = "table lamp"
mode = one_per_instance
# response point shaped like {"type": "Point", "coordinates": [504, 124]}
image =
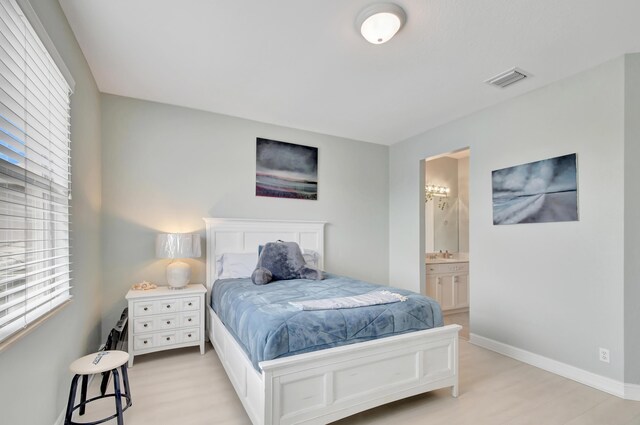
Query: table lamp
{"type": "Point", "coordinates": [176, 246]}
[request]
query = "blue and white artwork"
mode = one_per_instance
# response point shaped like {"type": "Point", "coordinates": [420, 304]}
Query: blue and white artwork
{"type": "Point", "coordinates": [537, 192]}
{"type": "Point", "coordinates": [286, 170]}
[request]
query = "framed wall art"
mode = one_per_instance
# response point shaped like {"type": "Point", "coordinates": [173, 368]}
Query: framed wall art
{"type": "Point", "coordinates": [286, 170]}
{"type": "Point", "coordinates": [537, 192]}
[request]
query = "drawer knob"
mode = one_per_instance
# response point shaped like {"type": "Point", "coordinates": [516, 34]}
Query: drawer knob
{"type": "Point", "coordinates": [145, 341]}
{"type": "Point", "coordinates": [189, 319]}
{"type": "Point", "coordinates": [146, 324]}
{"type": "Point", "coordinates": [168, 338]}
{"type": "Point", "coordinates": [190, 304]}
{"type": "Point", "coordinates": [189, 335]}
{"type": "Point", "coordinates": [168, 305]}
{"type": "Point", "coordinates": [146, 308]}
{"type": "Point", "coordinates": [168, 322]}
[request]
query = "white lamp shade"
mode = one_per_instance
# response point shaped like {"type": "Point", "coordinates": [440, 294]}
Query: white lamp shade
{"type": "Point", "coordinates": [378, 23]}
{"type": "Point", "coordinates": [178, 245]}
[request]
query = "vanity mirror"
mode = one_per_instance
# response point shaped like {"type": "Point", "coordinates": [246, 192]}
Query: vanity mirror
{"type": "Point", "coordinates": [441, 230]}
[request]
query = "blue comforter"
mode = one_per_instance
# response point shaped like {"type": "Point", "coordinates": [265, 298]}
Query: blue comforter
{"type": "Point", "coordinates": [268, 327]}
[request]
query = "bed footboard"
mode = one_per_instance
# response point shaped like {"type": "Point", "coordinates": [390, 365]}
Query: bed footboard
{"type": "Point", "coordinates": [326, 385]}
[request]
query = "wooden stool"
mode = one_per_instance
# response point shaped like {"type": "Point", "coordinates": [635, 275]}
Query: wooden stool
{"type": "Point", "coordinates": [103, 361]}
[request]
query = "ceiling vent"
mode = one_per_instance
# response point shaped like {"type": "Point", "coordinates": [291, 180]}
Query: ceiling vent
{"type": "Point", "coordinates": [507, 78]}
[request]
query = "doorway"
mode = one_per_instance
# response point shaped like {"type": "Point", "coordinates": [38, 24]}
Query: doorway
{"type": "Point", "coordinates": [446, 224]}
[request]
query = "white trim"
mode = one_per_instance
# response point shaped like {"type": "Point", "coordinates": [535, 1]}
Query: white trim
{"type": "Point", "coordinates": [35, 22]}
{"type": "Point", "coordinates": [599, 382]}
{"type": "Point", "coordinates": [632, 392]}
{"type": "Point", "coordinates": [33, 325]}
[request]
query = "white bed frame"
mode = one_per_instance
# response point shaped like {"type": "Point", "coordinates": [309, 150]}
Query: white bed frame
{"type": "Point", "coordinates": [322, 386]}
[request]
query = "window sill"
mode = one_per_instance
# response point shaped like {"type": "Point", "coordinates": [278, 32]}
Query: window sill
{"type": "Point", "coordinates": [32, 326]}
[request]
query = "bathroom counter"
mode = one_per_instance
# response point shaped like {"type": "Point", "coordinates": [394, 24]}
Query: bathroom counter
{"type": "Point", "coordinates": [457, 258]}
{"type": "Point", "coordinates": [445, 260]}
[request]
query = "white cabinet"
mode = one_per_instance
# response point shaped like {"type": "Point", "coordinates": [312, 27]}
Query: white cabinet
{"type": "Point", "coordinates": [448, 283]}
{"type": "Point", "coordinates": [162, 318]}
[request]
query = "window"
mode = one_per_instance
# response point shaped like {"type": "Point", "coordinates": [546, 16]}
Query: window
{"type": "Point", "coordinates": [35, 174]}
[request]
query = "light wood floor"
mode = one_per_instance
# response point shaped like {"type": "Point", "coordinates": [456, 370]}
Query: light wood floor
{"type": "Point", "coordinates": [461, 319]}
{"type": "Point", "coordinates": [184, 388]}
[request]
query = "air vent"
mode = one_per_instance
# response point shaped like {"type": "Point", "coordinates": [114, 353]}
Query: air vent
{"type": "Point", "coordinates": [507, 78]}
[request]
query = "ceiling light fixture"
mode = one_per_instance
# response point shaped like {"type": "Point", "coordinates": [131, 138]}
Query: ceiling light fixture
{"type": "Point", "coordinates": [379, 22]}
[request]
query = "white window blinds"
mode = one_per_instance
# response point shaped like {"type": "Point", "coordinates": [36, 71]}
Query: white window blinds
{"type": "Point", "coordinates": [34, 176]}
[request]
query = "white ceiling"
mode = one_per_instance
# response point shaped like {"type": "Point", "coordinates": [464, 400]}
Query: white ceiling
{"type": "Point", "coordinates": [302, 64]}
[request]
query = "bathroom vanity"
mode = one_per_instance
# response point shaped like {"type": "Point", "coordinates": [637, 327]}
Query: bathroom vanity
{"type": "Point", "coordinates": [448, 283]}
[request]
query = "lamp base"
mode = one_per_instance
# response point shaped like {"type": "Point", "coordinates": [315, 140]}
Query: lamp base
{"type": "Point", "coordinates": [178, 274]}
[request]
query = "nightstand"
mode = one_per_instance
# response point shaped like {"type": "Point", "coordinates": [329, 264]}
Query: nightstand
{"type": "Point", "coordinates": [163, 318]}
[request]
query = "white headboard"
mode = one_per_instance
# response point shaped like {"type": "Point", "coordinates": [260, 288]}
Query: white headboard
{"type": "Point", "coordinates": [244, 235]}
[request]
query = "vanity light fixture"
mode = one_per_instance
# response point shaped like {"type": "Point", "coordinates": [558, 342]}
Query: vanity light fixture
{"type": "Point", "coordinates": [379, 22]}
{"type": "Point", "coordinates": [437, 190]}
{"type": "Point", "coordinates": [442, 192]}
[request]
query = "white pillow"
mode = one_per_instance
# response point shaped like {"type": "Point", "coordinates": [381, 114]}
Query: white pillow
{"type": "Point", "coordinates": [311, 257]}
{"type": "Point", "coordinates": [232, 265]}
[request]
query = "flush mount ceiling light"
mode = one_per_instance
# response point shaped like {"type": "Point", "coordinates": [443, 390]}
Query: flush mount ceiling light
{"type": "Point", "coordinates": [379, 22]}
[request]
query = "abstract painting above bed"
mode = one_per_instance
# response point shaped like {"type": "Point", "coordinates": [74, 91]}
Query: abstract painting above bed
{"type": "Point", "coordinates": [286, 170]}
{"type": "Point", "coordinates": [267, 327]}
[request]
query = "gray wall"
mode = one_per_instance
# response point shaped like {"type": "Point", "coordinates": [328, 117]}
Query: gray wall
{"type": "Point", "coordinates": [554, 289]}
{"type": "Point", "coordinates": [165, 167]}
{"type": "Point", "coordinates": [34, 371]}
{"type": "Point", "coordinates": [631, 223]}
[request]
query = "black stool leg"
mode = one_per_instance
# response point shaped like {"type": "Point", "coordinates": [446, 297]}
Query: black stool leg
{"type": "Point", "coordinates": [118, 396]}
{"type": "Point", "coordinates": [72, 399]}
{"type": "Point", "coordinates": [125, 383]}
{"type": "Point", "coordinates": [83, 393]}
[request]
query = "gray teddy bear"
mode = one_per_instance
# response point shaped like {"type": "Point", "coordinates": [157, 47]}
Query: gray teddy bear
{"type": "Point", "coordinates": [283, 261]}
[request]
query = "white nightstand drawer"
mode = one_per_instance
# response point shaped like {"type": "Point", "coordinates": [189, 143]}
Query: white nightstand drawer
{"type": "Point", "coordinates": [144, 308]}
{"type": "Point", "coordinates": [169, 321]}
{"type": "Point", "coordinates": [143, 325]}
{"type": "Point", "coordinates": [143, 342]}
{"type": "Point", "coordinates": [166, 338]}
{"type": "Point", "coordinates": [189, 335]}
{"type": "Point", "coordinates": [168, 306]}
{"type": "Point", "coordinates": [189, 304]}
{"type": "Point", "coordinates": [190, 318]}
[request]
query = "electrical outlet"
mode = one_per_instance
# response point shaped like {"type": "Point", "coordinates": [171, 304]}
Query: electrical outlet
{"type": "Point", "coordinates": [604, 355]}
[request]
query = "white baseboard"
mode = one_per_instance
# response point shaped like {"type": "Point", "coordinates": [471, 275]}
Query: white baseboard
{"type": "Point", "coordinates": [632, 392]}
{"type": "Point", "coordinates": [608, 385]}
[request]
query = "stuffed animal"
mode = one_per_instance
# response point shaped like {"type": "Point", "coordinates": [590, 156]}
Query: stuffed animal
{"type": "Point", "coordinates": [283, 261]}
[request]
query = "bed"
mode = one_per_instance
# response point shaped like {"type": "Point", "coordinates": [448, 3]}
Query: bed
{"type": "Point", "coordinates": [318, 387]}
